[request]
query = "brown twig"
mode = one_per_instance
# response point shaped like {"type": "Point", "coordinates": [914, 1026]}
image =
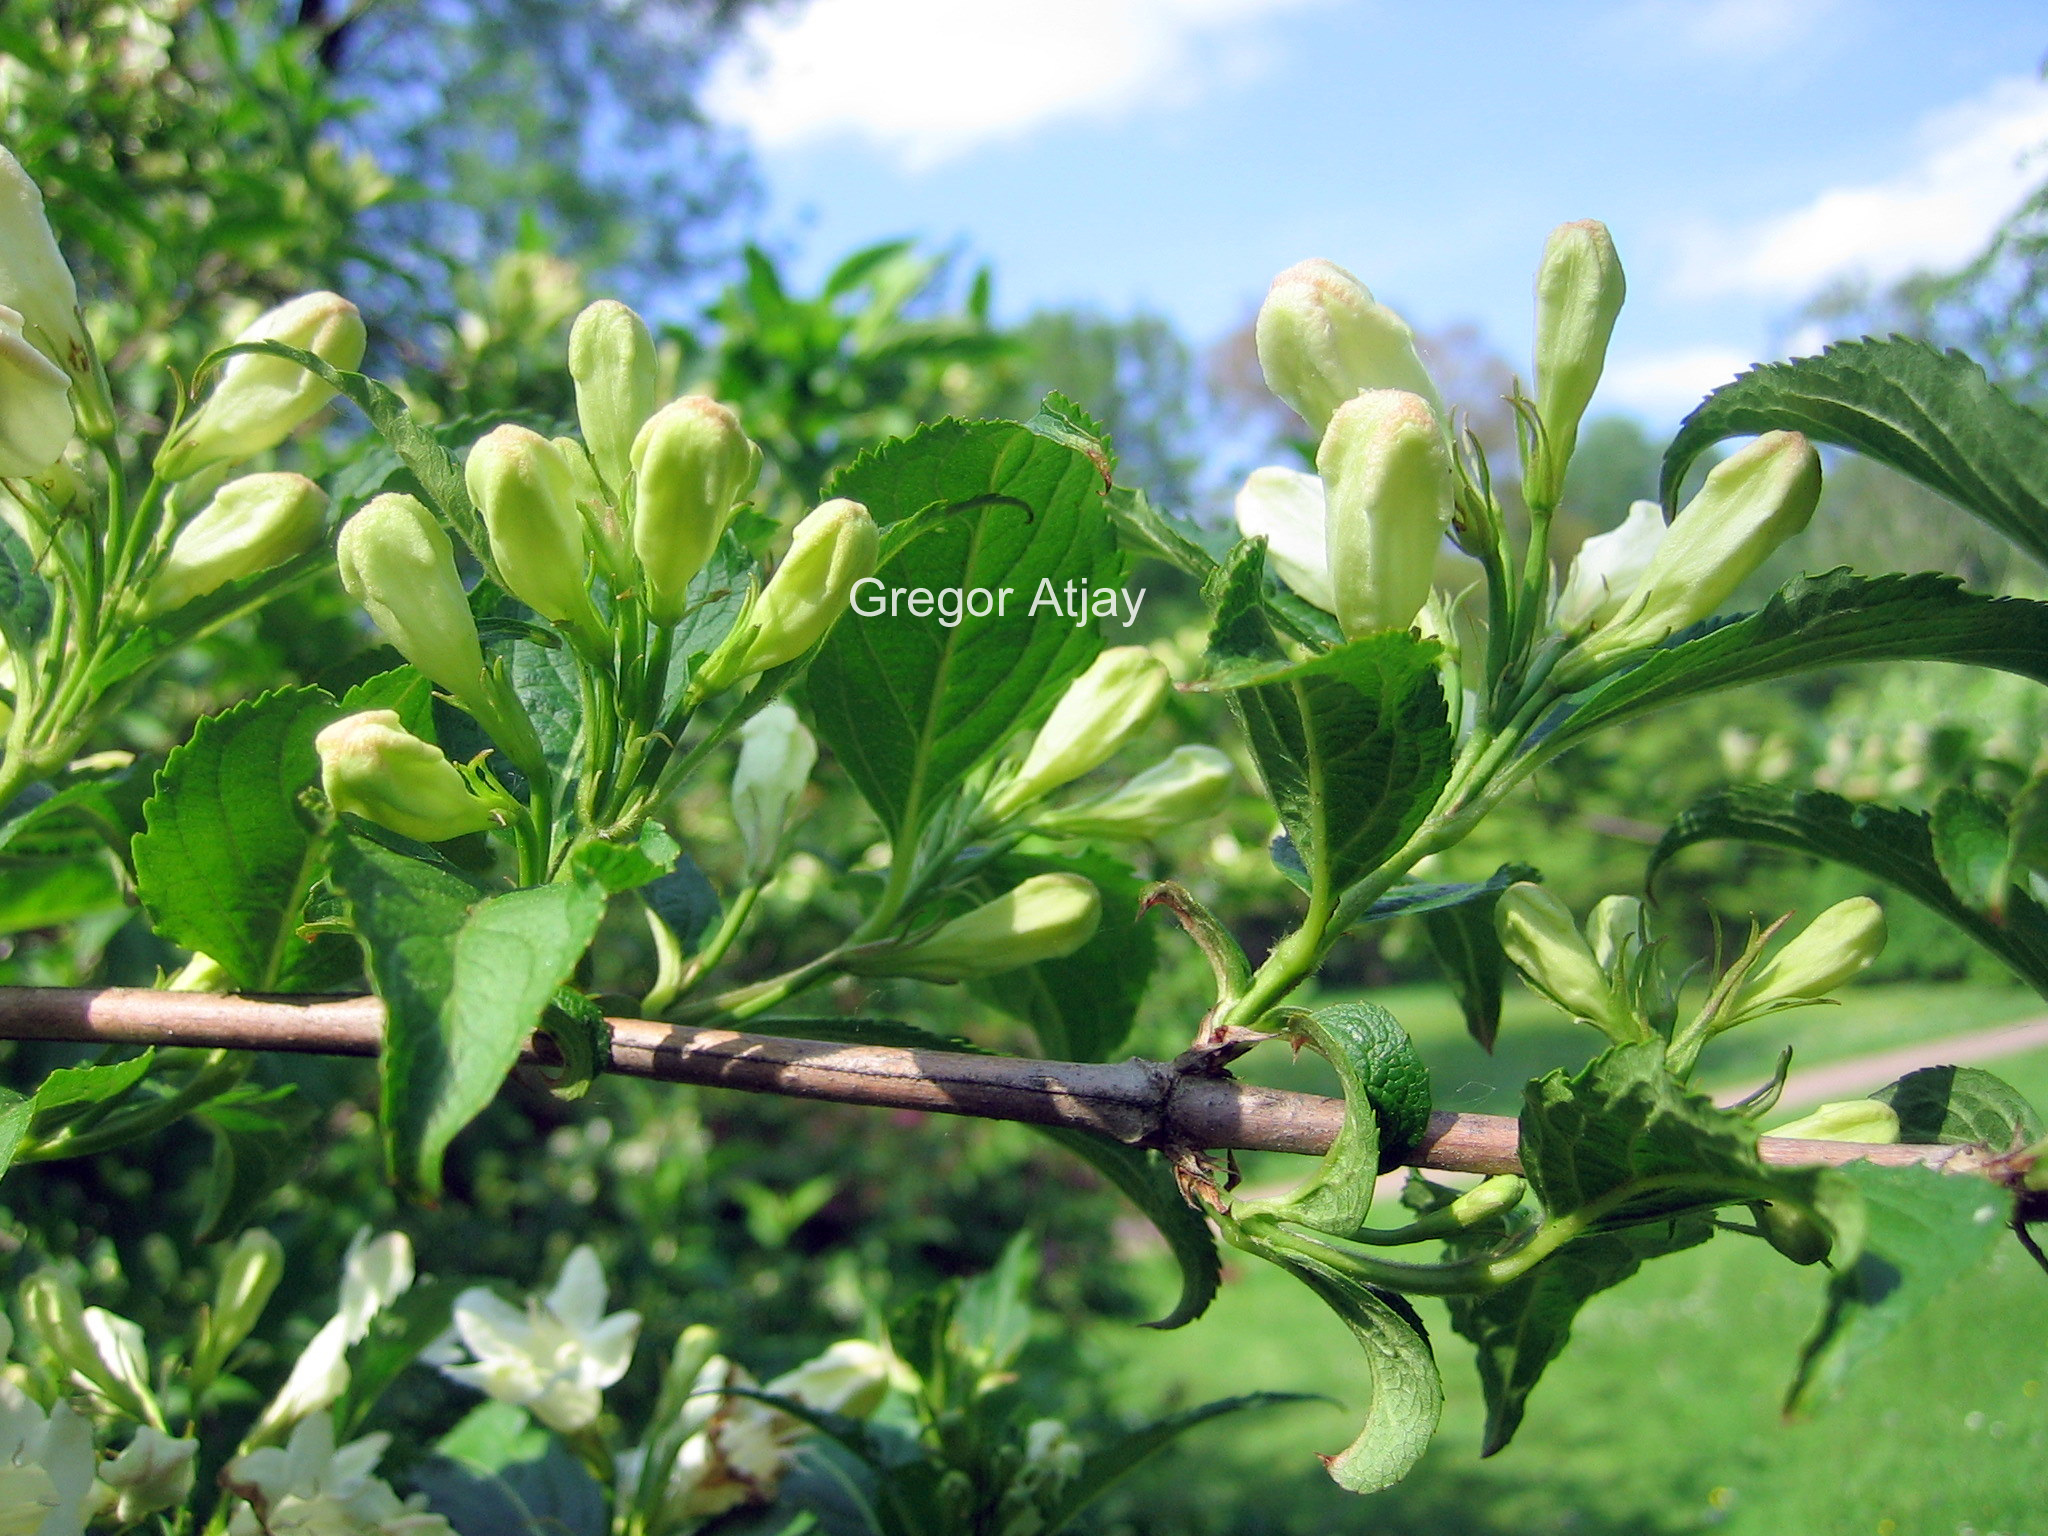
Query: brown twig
{"type": "Point", "coordinates": [1144, 1103]}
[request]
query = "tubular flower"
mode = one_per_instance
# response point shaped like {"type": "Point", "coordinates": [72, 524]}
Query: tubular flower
{"type": "Point", "coordinates": [398, 563]}
{"type": "Point", "coordinates": [834, 547]}
{"type": "Point", "coordinates": [557, 1356]}
{"type": "Point", "coordinates": [1286, 508]}
{"type": "Point", "coordinates": [35, 403]}
{"type": "Point", "coordinates": [1322, 338]}
{"type": "Point", "coordinates": [154, 1471]}
{"type": "Point", "coordinates": [375, 1272]}
{"type": "Point", "coordinates": [526, 491]}
{"type": "Point", "coordinates": [692, 464]}
{"type": "Point", "coordinates": [1869, 1120]}
{"type": "Point", "coordinates": [611, 359]}
{"type": "Point", "coordinates": [1185, 788]}
{"type": "Point", "coordinates": [1607, 568]}
{"type": "Point", "coordinates": [252, 524]}
{"type": "Point", "coordinates": [1537, 932]}
{"type": "Point", "coordinates": [1388, 477]}
{"type": "Point", "coordinates": [46, 1467]}
{"type": "Point", "coordinates": [1834, 949]}
{"type": "Point", "coordinates": [311, 1487]}
{"type": "Point", "coordinates": [1579, 292]}
{"type": "Point", "coordinates": [776, 757]}
{"type": "Point", "coordinates": [1098, 715]}
{"type": "Point", "coordinates": [1046, 917]}
{"type": "Point", "coordinates": [34, 281]}
{"type": "Point", "coordinates": [373, 767]}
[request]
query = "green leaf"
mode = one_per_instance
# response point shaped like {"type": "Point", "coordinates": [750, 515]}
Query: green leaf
{"type": "Point", "coordinates": [76, 815]}
{"type": "Point", "coordinates": [257, 1148]}
{"type": "Point", "coordinates": [43, 895]}
{"type": "Point", "coordinates": [1970, 844]}
{"type": "Point", "coordinates": [398, 1334]}
{"type": "Point", "coordinates": [628, 866]}
{"type": "Point", "coordinates": [24, 600]}
{"type": "Point", "coordinates": [1109, 1463]}
{"type": "Point", "coordinates": [1932, 415]}
{"type": "Point", "coordinates": [1146, 1181]}
{"type": "Point", "coordinates": [911, 705]}
{"type": "Point", "coordinates": [464, 978]}
{"type": "Point", "coordinates": [73, 1088]}
{"type": "Point", "coordinates": [228, 859]}
{"type": "Point", "coordinates": [146, 642]}
{"type": "Point", "coordinates": [1823, 621]}
{"type": "Point", "coordinates": [16, 1110]}
{"type": "Point", "coordinates": [1961, 1107]}
{"type": "Point", "coordinates": [406, 692]}
{"type": "Point", "coordinates": [1145, 530]}
{"type": "Point", "coordinates": [1461, 935]}
{"type": "Point", "coordinates": [1413, 898]}
{"type": "Point", "coordinates": [1926, 1231]}
{"type": "Point", "coordinates": [685, 900]}
{"type": "Point", "coordinates": [1890, 844]}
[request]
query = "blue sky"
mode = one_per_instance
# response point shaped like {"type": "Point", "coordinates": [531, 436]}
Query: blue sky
{"type": "Point", "coordinates": [1174, 154]}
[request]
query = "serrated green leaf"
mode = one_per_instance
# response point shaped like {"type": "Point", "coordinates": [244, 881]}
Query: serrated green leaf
{"type": "Point", "coordinates": [74, 816]}
{"type": "Point", "coordinates": [147, 642]}
{"type": "Point", "coordinates": [72, 1087]}
{"type": "Point", "coordinates": [1932, 415]}
{"type": "Point", "coordinates": [1109, 1463]}
{"type": "Point", "coordinates": [1411, 898]}
{"type": "Point", "coordinates": [909, 705]}
{"type": "Point", "coordinates": [1970, 843]}
{"type": "Point", "coordinates": [1961, 1107]}
{"type": "Point", "coordinates": [1891, 844]}
{"type": "Point", "coordinates": [227, 859]}
{"type": "Point", "coordinates": [24, 600]}
{"type": "Point", "coordinates": [407, 693]}
{"type": "Point", "coordinates": [45, 895]}
{"type": "Point", "coordinates": [1823, 621]}
{"type": "Point", "coordinates": [628, 866]}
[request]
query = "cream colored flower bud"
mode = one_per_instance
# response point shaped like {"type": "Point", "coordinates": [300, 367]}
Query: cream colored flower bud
{"type": "Point", "coordinates": [1098, 715]}
{"type": "Point", "coordinates": [1579, 292]}
{"type": "Point", "coordinates": [248, 1277]}
{"type": "Point", "coordinates": [1185, 789]}
{"type": "Point", "coordinates": [612, 360]}
{"type": "Point", "coordinates": [1045, 918]}
{"type": "Point", "coordinates": [1322, 338]}
{"type": "Point", "coordinates": [251, 525]}
{"type": "Point", "coordinates": [1613, 929]}
{"type": "Point", "coordinates": [91, 1342]}
{"type": "Point", "coordinates": [1285, 507]}
{"type": "Point", "coordinates": [258, 401]}
{"type": "Point", "coordinates": [777, 755]}
{"type": "Point", "coordinates": [153, 1471]}
{"type": "Point", "coordinates": [851, 1378]}
{"type": "Point", "coordinates": [1539, 937]}
{"type": "Point", "coordinates": [34, 281]}
{"type": "Point", "coordinates": [399, 564]}
{"type": "Point", "coordinates": [55, 1314]}
{"type": "Point", "coordinates": [1388, 476]}
{"type": "Point", "coordinates": [832, 548]}
{"type": "Point", "coordinates": [524, 488]}
{"type": "Point", "coordinates": [1848, 1120]}
{"type": "Point", "coordinates": [692, 464]}
{"type": "Point", "coordinates": [1835, 948]}
{"type": "Point", "coordinates": [35, 403]}
{"type": "Point", "coordinates": [1607, 568]}
{"type": "Point", "coordinates": [1751, 503]}
{"type": "Point", "coordinates": [371, 766]}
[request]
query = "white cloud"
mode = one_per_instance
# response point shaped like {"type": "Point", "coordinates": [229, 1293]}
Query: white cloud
{"type": "Point", "coordinates": [1665, 385]}
{"type": "Point", "coordinates": [1744, 30]}
{"type": "Point", "coordinates": [929, 80]}
{"type": "Point", "coordinates": [1971, 166]}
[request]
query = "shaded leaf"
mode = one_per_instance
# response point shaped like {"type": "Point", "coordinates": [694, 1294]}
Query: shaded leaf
{"type": "Point", "coordinates": [1961, 1106]}
{"type": "Point", "coordinates": [24, 600]}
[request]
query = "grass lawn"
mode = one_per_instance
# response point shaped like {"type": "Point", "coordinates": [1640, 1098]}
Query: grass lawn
{"type": "Point", "coordinates": [1663, 1415]}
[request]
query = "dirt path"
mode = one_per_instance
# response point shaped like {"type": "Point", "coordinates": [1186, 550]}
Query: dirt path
{"type": "Point", "coordinates": [1859, 1074]}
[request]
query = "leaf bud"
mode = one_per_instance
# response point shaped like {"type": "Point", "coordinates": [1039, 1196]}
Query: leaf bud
{"type": "Point", "coordinates": [258, 400]}
{"type": "Point", "coordinates": [34, 281]}
{"type": "Point", "coordinates": [1388, 477]}
{"type": "Point", "coordinates": [251, 525]}
{"type": "Point", "coordinates": [612, 361]}
{"type": "Point", "coordinates": [1046, 917]}
{"type": "Point", "coordinates": [1834, 949]}
{"type": "Point", "coordinates": [1185, 788]}
{"type": "Point", "coordinates": [1286, 508]}
{"type": "Point", "coordinates": [372, 766]}
{"type": "Point", "coordinates": [1869, 1120]}
{"type": "Point", "coordinates": [776, 757]}
{"type": "Point", "coordinates": [524, 488]}
{"type": "Point", "coordinates": [35, 404]}
{"type": "Point", "coordinates": [153, 1472]}
{"type": "Point", "coordinates": [1322, 338]}
{"type": "Point", "coordinates": [1607, 568]}
{"type": "Point", "coordinates": [398, 562]}
{"type": "Point", "coordinates": [1752, 502]}
{"type": "Point", "coordinates": [691, 465]}
{"type": "Point", "coordinates": [1579, 291]}
{"type": "Point", "coordinates": [1539, 937]}
{"type": "Point", "coordinates": [1098, 715]}
{"type": "Point", "coordinates": [832, 548]}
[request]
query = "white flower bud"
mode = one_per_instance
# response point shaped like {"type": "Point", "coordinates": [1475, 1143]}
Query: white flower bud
{"type": "Point", "coordinates": [1835, 948]}
{"type": "Point", "coordinates": [34, 280]}
{"type": "Point", "coordinates": [372, 766]}
{"type": "Point", "coordinates": [1849, 1120]}
{"type": "Point", "coordinates": [251, 525]}
{"type": "Point", "coordinates": [832, 548]}
{"type": "Point", "coordinates": [1538, 935]}
{"type": "Point", "coordinates": [1388, 476]}
{"type": "Point", "coordinates": [1607, 568]}
{"type": "Point", "coordinates": [1579, 291]}
{"type": "Point", "coordinates": [1322, 339]}
{"type": "Point", "coordinates": [258, 401]}
{"type": "Point", "coordinates": [247, 1278]}
{"type": "Point", "coordinates": [1613, 928]}
{"type": "Point", "coordinates": [851, 1378]}
{"type": "Point", "coordinates": [153, 1472]}
{"type": "Point", "coordinates": [1285, 507]}
{"type": "Point", "coordinates": [1045, 918]}
{"type": "Point", "coordinates": [35, 403]}
{"type": "Point", "coordinates": [691, 464]}
{"type": "Point", "coordinates": [397, 561]}
{"type": "Point", "coordinates": [1098, 715]}
{"type": "Point", "coordinates": [1184, 789]}
{"type": "Point", "coordinates": [526, 492]}
{"type": "Point", "coordinates": [612, 360]}
{"type": "Point", "coordinates": [776, 758]}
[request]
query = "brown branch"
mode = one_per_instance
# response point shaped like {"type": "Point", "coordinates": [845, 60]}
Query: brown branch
{"type": "Point", "coordinates": [1144, 1103]}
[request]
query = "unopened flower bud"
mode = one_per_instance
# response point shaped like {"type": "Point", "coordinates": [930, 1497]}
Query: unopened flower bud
{"type": "Point", "coordinates": [372, 766]}
{"type": "Point", "coordinates": [1869, 1120]}
{"type": "Point", "coordinates": [1098, 715]}
{"type": "Point", "coordinates": [776, 758]}
{"type": "Point", "coordinates": [258, 400]}
{"type": "Point", "coordinates": [1388, 476]}
{"type": "Point", "coordinates": [1613, 927]}
{"type": "Point", "coordinates": [850, 1378]}
{"type": "Point", "coordinates": [1607, 568]}
{"type": "Point", "coordinates": [526, 492]}
{"type": "Point", "coordinates": [51, 1307]}
{"type": "Point", "coordinates": [35, 404]}
{"type": "Point", "coordinates": [691, 464]}
{"type": "Point", "coordinates": [34, 281]}
{"type": "Point", "coordinates": [1579, 291]}
{"type": "Point", "coordinates": [1751, 503]}
{"type": "Point", "coordinates": [1184, 789]}
{"type": "Point", "coordinates": [832, 548]}
{"type": "Point", "coordinates": [251, 525]}
{"type": "Point", "coordinates": [1322, 338]}
{"type": "Point", "coordinates": [399, 564]}
{"type": "Point", "coordinates": [1045, 918]}
{"type": "Point", "coordinates": [1285, 507]}
{"type": "Point", "coordinates": [1539, 937]}
{"type": "Point", "coordinates": [247, 1278]}
{"type": "Point", "coordinates": [1836, 947]}
{"type": "Point", "coordinates": [152, 1472]}
{"type": "Point", "coordinates": [91, 1342]}
{"type": "Point", "coordinates": [611, 358]}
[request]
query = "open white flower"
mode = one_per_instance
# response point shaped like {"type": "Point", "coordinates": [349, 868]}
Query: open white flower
{"type": "Point", "coordinates": [374, 1273]}
{"type": "Point", "coordinates": [1607, 567]}
{"type": "Point", "coordinates": [153, 1472]}
{"type": "Point", "coordinates": [556, 1357]}
{"type": "Point", "coordinates": [46, 1467]}
{"type": "Point", "coordinates": [1287, 509]}
{"type": "Point", "coordinates": [311, 1487]}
